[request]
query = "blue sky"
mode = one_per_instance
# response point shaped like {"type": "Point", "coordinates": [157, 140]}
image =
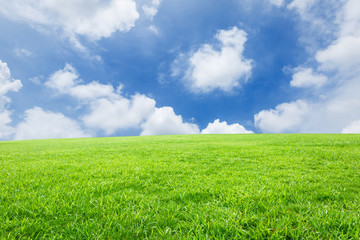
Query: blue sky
{"type": "Point", "coordinates": [149, 67]}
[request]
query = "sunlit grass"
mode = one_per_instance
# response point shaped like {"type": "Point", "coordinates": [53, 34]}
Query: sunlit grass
{"type": "Point", "coordinates": [180, 187]}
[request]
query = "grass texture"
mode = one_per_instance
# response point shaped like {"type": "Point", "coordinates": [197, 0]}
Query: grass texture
{"type": "Point", "coordinates": [182, 187]}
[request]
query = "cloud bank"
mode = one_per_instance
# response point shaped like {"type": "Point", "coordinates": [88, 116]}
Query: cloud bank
{"type": "Point", "coordinates": [109, 111]}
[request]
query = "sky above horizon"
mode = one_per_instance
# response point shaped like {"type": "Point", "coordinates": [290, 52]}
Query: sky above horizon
{"type": "Point", "coordinates": [151, 67]}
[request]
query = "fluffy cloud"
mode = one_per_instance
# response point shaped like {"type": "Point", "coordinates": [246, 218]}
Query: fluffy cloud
{"type": "Point", "coordinates": [354, 127]}
{"type": "Point", "coordinates": [94, 19]}
{"type": "Point", "coordinates": [40, 124]}
{"type": "Point", "coordinates": [7, 84]}
{"type": "Point", "coordinates": [285, 117]}
{"type": "Point", "coordinates": [304, 77]}
{"type": "Point", "coordinates": [66, 81]}
{"type": "Point", "coordinates": [109, 111]}
{"type": "Point", "coordinates": [165, 122]}
{"type": "Point", "coordinates": [210, 68]}
{"type": "Point", "coordinates": [218, 127]}
{"type": "Point", "coordinates": [63, 80]}
{"type": "Point", "coordinates": [111, 115]}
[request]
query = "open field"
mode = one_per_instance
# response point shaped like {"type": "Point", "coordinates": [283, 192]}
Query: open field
{"type": "Point", "coordinates": [180, 187]}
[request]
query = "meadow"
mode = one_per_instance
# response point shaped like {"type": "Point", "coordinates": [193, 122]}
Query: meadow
{"type": "Point", "coordinates": [260, 186]}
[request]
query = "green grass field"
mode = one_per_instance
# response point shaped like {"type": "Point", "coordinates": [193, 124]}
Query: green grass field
{"type": "Point", "coordinates": [181, 187]}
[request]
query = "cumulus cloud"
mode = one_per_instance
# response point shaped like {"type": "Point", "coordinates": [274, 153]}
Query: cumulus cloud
{"type": "Point", "coordinates": [305, 77]}
{"type": "Point", "coordinates": [63, 80]}
{"type": "Point", "coordinates": [93, 19]}
{"type": "Point", "coordinates": [40, 124]}
{"type": "Point", "coordinates": [37, 123]}
{"type": "Point", "coordinates": [7, 83]}
{"type": "Point", "coordinates": [211, 67]}
{"type": "Point", "coordinates": [111, 115]}
{"type": "Point", "coordinates": [284, 118]}
{"type": "Point", "coordinates": [66, 81]}
{"type": "Point", "coordinates": [218, 127]}
{"type": "Point", "coordinates": [164, 121]}
{"type": "Point", "coordinates": [109, 111]}
{"type": "Point", "coordinates": [354, 127]}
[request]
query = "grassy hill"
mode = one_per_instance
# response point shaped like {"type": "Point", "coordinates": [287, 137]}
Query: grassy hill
{"type": "Point", "coordinates": [180, 187]}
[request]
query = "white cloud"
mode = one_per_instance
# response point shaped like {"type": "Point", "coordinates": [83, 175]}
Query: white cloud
{"type": "Point", "coordinates": [22, 52]}
{"type": "Point", "coordinates": [350, 18]}
{"type": "Point", "coordinates": [7, 84]}
{"type": "Point", "coordinates": [63, 80]}
{"type": "Point", "coordinates": [331, 113]}
{"type": "Point", "coordinates": [218, 127]}
{"type": "Point", "coordinates": [210, 69]}
{"type": "Point", "coordinates": [107, 109]}
{"type": "Point", "coordinates": [354, 127]}
{"type": "Point", "coordinates": [92, 90]}
{"type": "Point", "coordinates": [40, 124]}
{"type": "Point", "coordinates": [165, 122]}
{"type": "Point", "coordinates": [284, 118]}
{"type": "Point", "coordinates": [343, 54]}
{"type": "Point", "coordinates": [304, 77]}
{"type": "Point", "coordinates": [151, 10]}
{"type": "Point", "coordinates": [94, 19]}
{"type": "Point", "coordinates": [111, 115]}
{"type": "Point", "coordinates": [66, 81]}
